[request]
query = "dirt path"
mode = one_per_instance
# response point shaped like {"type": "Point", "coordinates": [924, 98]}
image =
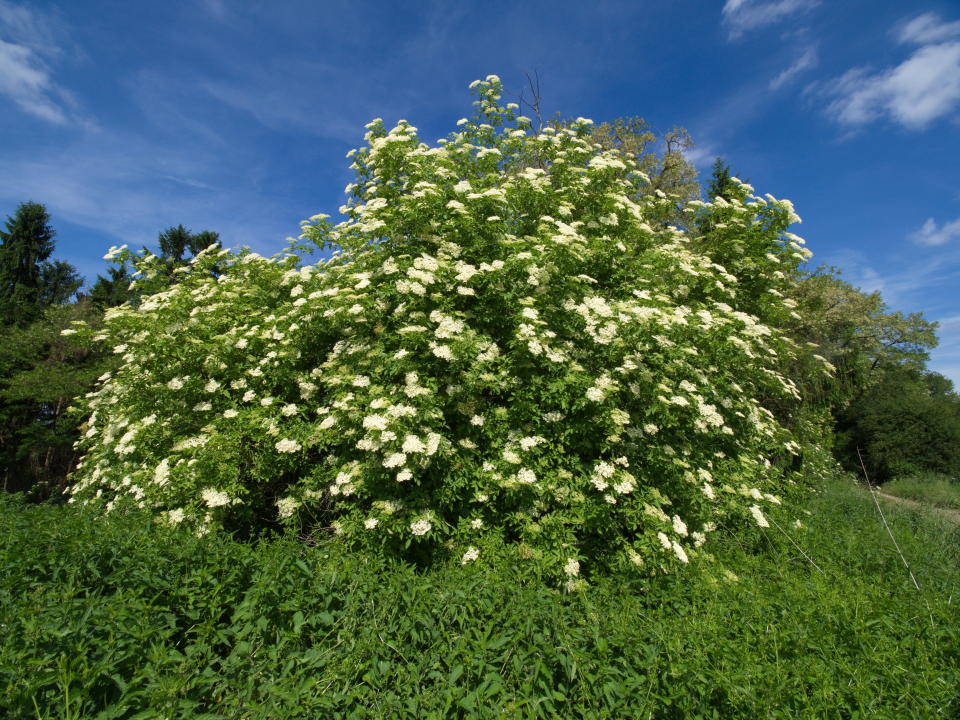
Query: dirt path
{"type": "Point", "coordinates": [953, 515]}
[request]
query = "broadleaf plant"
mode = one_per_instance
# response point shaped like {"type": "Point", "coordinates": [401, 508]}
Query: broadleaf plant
{"type": "Point", "coordinates": [505, 354]}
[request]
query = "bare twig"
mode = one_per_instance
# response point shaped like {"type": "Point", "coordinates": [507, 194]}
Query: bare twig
{"type": "Point", "coordinates": [535, 103]}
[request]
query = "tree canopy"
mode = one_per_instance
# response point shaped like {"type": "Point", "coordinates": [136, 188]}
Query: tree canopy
{"type": "Point", "coordinates": [907, 423]}
{"type": "Point", "coordinates": [857, 334]}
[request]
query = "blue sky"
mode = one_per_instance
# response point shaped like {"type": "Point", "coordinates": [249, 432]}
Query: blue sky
{"type": "Point", "coordinates": [127, 117]}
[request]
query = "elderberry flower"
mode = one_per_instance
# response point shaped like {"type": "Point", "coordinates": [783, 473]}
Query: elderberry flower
{"type": "Point", "coordinates": [395, 460]}
{"type": "Point", "coordinates": [420, 527]}
{"type": "Point", "coordinates": [527, 477]}
{"type": "Point", "coordinates": [758, 516]}
{"type": "Point", "coordinates": [287, 446]}
{"type": "Point", "coordinates": [286, 507]}
{"type": "Point", "coordinates": [215, 498]}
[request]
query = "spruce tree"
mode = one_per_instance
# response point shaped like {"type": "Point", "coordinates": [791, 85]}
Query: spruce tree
{"type": "Point", "coordinates": [25, 245]}
{"type": "Point", "coordinates": [721, 182]}
{"type": "Point", "coordinates": [59, 281]}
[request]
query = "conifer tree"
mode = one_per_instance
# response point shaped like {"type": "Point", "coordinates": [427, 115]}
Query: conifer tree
{"type": "Point", "coordinates": [112, 290]}
{"type": "Point", "coordinates": [24, 245]}
{"type": "Point", "coordinates": [175, 241]}
{"type": "Point", "coordinates": [28, 282]}
{"type": "Point", "coordinates": [721, 181]}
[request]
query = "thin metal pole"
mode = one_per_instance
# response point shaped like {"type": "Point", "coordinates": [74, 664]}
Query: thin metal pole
{"type": "Point", "coordinates": [873, 494]}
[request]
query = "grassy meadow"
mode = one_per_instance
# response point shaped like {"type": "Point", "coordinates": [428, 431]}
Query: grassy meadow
{"type": "Point", "coordinates": [937, 490]}
{"type": "Point", "coordinates": [120, 618]}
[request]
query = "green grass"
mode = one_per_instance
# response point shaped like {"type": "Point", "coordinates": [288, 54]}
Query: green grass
{"type": "Point", "coordinates": [937, 490]}
{"type": "Point", "coordinates": [117, 618]}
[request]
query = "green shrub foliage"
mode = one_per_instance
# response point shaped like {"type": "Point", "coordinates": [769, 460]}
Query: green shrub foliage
{"type": "Point", "coordinates": [504, 353]}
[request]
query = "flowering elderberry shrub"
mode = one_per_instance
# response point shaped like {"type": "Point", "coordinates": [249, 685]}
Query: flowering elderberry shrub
{"type": "Point", "coordinates": [504, 354]}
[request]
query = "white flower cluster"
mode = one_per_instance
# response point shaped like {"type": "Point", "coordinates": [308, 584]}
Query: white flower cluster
{"type": "Point", "coordinates": [287, 446]}
{"type": "Point", "coordinates": [420, 527]}
{"type": "Point", "coordinates": [215, 498]}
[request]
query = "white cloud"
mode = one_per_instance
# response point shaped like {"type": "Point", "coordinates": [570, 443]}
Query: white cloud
{"type": "Point", "coordinates": [945, 358]}
{"type": "Point", "coordinates": [932, 235]}
{"type": "Point", "coordinates": [741, 16]}
{"type": "Point", "coordinates": [807, 61]}
{"type": "Point", "coordinates": [921, 89]}
{"type": "Point", "coordinates": [928, 28]}
{"type": "Point", "coordinates": [128, 188]}
{"type": "Point", "coordinates": [28, 27]}
{"type": "Point", "coordinates": [295, 95]}
{"type": "Point", "coordinates": [865, 278]}
{"type": "Point", "coordinates": [27, 45]}
{"type": "Point", "coordinates": [25, 80]}
{"type": "Point", "coordinates": [701, 156]}
{"type": "Point", "coordinates": [908, 280]}
{"type": "Point", "coordinates": [911, 282]}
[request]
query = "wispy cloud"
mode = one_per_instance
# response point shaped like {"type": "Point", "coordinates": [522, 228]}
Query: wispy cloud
{"type": "Point", "coordinates": [856, 269]}
{"type": "Point", "coordinates": [126, 188]}
{"type": "Point", "coordinates": [741, 16]}
{"type": "Point", "coordinates": [30, 27]}
{"type": "Point", "coordinates": [927, 28]}
{"type": "Point", "coordinates": [807, 61]}
{"type": "Point", "coordinates": [295, 95]}
{"type": "Point", "coordinates": [911, 284]}
{"type": "Point", "coordinates": [921, 89]}
{"type": "Point", "coordinates": [701, 156]}
{"type": "Point", "coordinates": [945, 359]}
{"type": "Point", "coordinates": [28, 47]}
{"type": "Point", "coordinates": [282, 106]}
{"type": "Point", "coordinates": [908, 280]}
{"type": "Point", "coordinates": [932, 234]}
{"type": "Point", "coordinates": [25, 80]}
